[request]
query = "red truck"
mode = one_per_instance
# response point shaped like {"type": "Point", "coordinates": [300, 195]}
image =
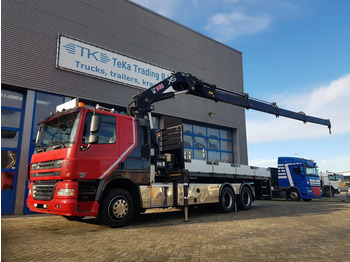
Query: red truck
{"type": "Point", "coordinates": [96, 162]}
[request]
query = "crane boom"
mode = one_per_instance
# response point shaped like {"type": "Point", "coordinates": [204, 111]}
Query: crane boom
{"type": "Point", "coordinates": [186, 83]}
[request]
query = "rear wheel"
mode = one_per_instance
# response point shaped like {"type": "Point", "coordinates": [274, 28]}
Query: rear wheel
{"type": "Point", "coordinates": [116, 208]}
{"type": "Point", "coordinates": [244, 201]}
{"type": "Point", "coordinates": [227, 200]}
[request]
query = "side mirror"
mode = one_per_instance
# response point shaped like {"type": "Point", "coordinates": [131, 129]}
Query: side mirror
{"type": "Point", "coordinates": [95, 124]}
{"type": "Point", "coordinates": [94, 127]}
{"type": "Point", "coordinates": [93, 139]}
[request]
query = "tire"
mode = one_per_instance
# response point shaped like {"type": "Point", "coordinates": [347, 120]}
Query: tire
{"type": "Point", "coordinates": [227, 200]}
{"type": "Point", "coordinates": [116, 208]}
{"type": "Point", "coordinates": [73, 218]}
{"type": "Point", "coordinates": [294, 195]}
{"type": "Point", "coordinates": [328, 192]}
{"type": "Point", "coordinates": [245, 199]}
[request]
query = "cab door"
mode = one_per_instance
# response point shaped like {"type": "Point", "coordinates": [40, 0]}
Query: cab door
{"type": "Point", "coordinates": [93, 160]}
{"type": "Point", "coordinates": [299, 177]}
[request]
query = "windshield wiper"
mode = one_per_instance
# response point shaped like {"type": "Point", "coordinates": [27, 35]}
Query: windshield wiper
{"type": "Point", "coordinates": [39, 148]}
{"type": "Point", "coordinates": [57, 144]}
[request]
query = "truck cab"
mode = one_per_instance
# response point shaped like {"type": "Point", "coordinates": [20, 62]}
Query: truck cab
{"type": "Point", "coordinates": [330, 184]}
{"type": "Point", "coordinates": [74, 152]}
{"type": "Point", "coordinates": [295, 179]}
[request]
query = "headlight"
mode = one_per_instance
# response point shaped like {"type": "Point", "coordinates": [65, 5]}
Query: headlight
{"type": "Point", "coordinates": [65, 192]}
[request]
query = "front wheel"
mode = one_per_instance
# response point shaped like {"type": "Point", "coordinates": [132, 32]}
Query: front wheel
{"type": "Point", "coordinates": [227, 200]}
{"type": "Point", "coordinates": [294, 195]}
{"type": "Point", "coordinates": [116, 208]}
{"type": "Point", "coordinates": [329, 192]}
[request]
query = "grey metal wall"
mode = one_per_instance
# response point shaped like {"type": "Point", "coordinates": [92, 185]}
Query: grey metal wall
{"type": "Point", "coordinates": [29, 41]}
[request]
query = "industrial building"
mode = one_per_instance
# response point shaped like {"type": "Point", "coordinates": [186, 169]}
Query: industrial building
{"type": "Point", "coordinates": [105, 52]}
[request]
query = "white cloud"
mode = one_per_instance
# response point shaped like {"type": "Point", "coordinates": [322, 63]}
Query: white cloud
{"type": "Point", "coordinates": [264, 163]}
{"type": "Point", "coordinates": [227, 26]}
{"type": "Point", "coordinates": [329, 102]}
{"type": "Point", "coordinates": [340, 164]}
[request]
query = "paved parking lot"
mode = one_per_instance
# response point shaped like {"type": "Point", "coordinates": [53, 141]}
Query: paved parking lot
{"type": "Point", "coordinates": [275, 230]}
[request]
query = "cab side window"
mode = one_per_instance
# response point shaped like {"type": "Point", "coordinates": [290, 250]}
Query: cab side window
{"type": "Point", "coordinates": [297, 170]}
{"type": "Point", "coordinates": [107, 131]}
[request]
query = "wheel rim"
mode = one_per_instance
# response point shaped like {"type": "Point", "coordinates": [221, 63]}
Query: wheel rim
{"type": "Point", "coordinates": [119, 208]}
{"type": "Point", "coordinates": [294, 195]}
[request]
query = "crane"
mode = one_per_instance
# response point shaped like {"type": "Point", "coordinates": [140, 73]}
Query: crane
{"type": "Point", "coordinates": [184, 83]}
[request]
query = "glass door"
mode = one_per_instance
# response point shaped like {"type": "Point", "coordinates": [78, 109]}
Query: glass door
{"type": "Point", "coordinates": [12, 105]}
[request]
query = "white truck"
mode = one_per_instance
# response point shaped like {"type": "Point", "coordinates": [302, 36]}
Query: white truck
{"type": "Point", "coordinates": [329, 183]}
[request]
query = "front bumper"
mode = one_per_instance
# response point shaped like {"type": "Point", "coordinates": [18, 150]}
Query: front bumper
{"type": "Point", "coordinates": [64, 207]}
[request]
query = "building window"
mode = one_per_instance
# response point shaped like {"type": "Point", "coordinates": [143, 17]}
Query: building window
{"type": "Point", "coordinates": [156, 122]}
{"type": "Point", "coordinates": [12, 110]}
{"type": "Point", "coordinates": [11, 119]}
{"type": "Point", "coordinates": [207, 143]}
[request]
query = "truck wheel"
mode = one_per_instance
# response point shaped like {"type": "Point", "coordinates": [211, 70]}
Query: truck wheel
{"type": "Point", "coordinates": [244, 201]}
{"type": "Point", "coordinates": [294, 195]}
{"type": "Point", "coordinates": [116, 208]}
{"type": "Point", "coordinates": [227, 200]}
{"type": "Point", "coordinates": [327, 192]}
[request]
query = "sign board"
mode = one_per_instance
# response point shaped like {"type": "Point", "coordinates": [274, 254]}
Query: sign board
{"type": "Point", "coordinates": [88, 59]}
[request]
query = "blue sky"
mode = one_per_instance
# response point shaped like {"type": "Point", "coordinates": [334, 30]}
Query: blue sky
{"type": "Point", "coordinates": [295, 53]}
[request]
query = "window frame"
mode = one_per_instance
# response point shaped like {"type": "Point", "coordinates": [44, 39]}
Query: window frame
{"type": "Point", "coordinates": [86, 132]}
{"type": "Point", "coordinates": [195, 149]}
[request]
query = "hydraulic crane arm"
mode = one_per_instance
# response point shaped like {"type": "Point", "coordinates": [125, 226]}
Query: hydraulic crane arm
{"type": "Point", "coordinates": [186, 83]}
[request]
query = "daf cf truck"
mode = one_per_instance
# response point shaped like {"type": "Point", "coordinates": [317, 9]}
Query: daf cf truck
{"type": "Point", "coordinates": [295, 179]}
{"type": "Point", "coordinates": [96, 162]}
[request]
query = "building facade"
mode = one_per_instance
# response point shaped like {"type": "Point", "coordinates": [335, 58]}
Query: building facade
{"type": "Point", "coordinates": [105, 52]}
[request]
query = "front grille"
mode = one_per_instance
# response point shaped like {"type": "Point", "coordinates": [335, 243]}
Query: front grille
{"type": "Point", "coordinates": [46, 165]}
{"type": "Point", "coordinates": [44, 190]}
{"type": "Point", "coordinates": [56, 173]}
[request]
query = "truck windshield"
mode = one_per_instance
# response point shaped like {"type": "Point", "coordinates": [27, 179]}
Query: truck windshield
{"type": "Point", "coordinates": [58, 133]}
{"type": "Point", "coordinates": [332, 177]}
{"type": "Point", "coordinates": [311, 171]}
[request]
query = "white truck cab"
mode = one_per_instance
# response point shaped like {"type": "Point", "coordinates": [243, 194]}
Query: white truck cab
{"type": "Point", "coordinates": [330, 184]}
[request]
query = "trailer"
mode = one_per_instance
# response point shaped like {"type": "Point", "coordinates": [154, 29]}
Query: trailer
{"type": "Point", "coordinates": [96, 162]}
